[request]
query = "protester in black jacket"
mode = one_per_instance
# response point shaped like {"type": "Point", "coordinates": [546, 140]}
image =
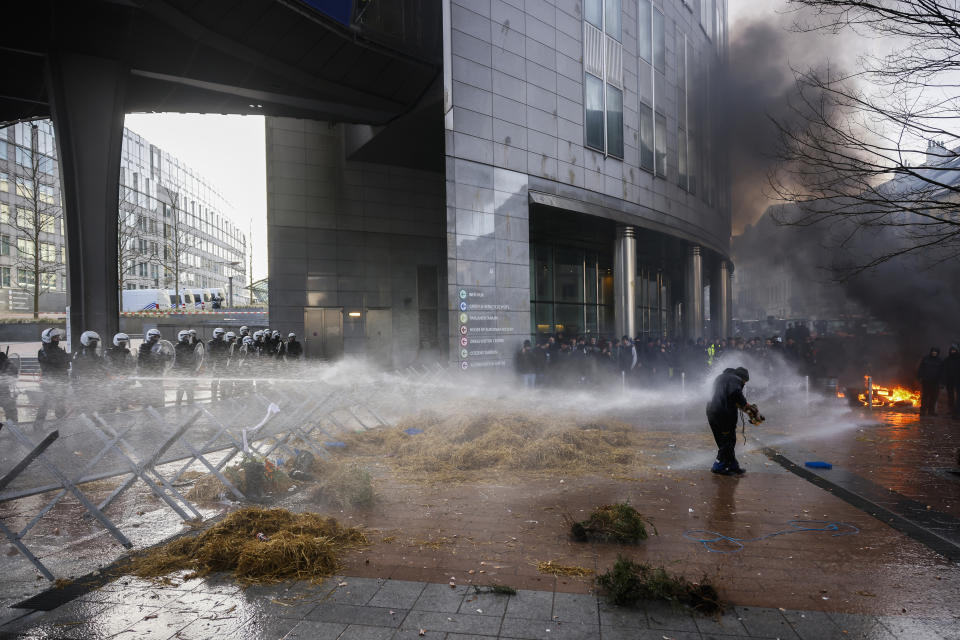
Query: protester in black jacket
{"type": "Point", "coordinates": [951, 379]}
{"type": "Point", "coordinates": [722, 412]}
{"type": "Point", "coordinates": [930, 374]}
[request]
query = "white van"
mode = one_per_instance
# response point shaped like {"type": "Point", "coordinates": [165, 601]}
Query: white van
{"type": "Point", "coordinates": [202, 298]}
{"type": "Point", "coordinates": [145, 300]}
{"type": "Point", "coordinates": [184, 301]}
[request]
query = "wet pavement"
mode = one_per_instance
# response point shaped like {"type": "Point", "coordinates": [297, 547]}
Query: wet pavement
{"type": "Point", "coordinates": [783, 579]}
{"type": "Point", "coordinates": [353, 608]}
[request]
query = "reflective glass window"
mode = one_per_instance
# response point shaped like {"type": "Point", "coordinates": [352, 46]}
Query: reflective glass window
{"type": "Point", "coordinates": [569, 278]}
{"type": "Point", "coordinates": [659, 42]}
{"type": "Point", "coordinates": [644, 35]}
{"type": "Point", "coordinates": [614, 121]}
{"type": "Point", "coordinates": [646, 137]}
{"type": "Point", "coordinates": [661, 145]}
{"type": "Point", "coordinates": [594, 108]}
{"type": "Point", "coordinates": [593, 12]}
{"type": "Point", "coordinates": [612, 18]}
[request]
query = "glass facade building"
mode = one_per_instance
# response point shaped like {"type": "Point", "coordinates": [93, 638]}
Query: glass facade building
{"type": "Point", "coordinates": [154, 187]}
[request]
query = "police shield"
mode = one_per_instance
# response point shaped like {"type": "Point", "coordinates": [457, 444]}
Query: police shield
{"type": "Point", "coordinates": [166, 353]}
{"type": "Point", "coordinates": [198, 353]}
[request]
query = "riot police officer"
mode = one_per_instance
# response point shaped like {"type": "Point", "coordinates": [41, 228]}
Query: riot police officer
{"type": "Point", "coordinates": [9, 371]}
{"type": "Point", "coordinates": [291, 349]}
{"type": "Point", "coordinates": [185, 365]}
{"type": "Point", "coordinates": [150, 363]}
{"type": "Point", "coordinates": [119, 364]}
{"type": "Point", "coordinates": [54, 375]}
{"type": "Point", "coordinates": [217, 354]}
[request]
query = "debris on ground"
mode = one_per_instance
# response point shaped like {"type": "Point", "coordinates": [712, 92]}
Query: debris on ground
{"type": "Point", "coordinates": [612, 522]}
{"type": "Point", "coordinates": [298, 546]}
{"type": "Point", "coordinates": [562, 570]}
{"type": "Point", "coordinates": [342, 484]}
{"type": "Point", "coordinates": [258, 479]}
{"type": "Point", "coordinates": [498, 589]}
{"type": "Point", "coordinates": [629, 582]}
{"type": "Point", "coordinates": [461, 446]}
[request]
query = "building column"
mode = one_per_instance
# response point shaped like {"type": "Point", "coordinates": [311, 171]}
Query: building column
{"type": "Point", "coordinates": [87, 100]}
{"type": "Point", "coordinates": [624, 282]}
{"type": "Point", "coordinates": [720, 300]}
{"type": "Point", "coordinates": [693, 295]}
{"type": "Point", "coordinates": [729, 316]}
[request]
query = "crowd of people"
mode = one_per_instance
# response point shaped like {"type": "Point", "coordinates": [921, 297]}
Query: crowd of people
{"type": "Point", "coordinates": [557, 360]}
{"type": "Point", "coordinates": [116, 378]}
{"type": "Point", "coordinates": [935, 372]}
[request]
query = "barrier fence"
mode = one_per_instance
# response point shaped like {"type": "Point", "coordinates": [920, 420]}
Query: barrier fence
{"type": "Point", "coordinates": [53, 460]}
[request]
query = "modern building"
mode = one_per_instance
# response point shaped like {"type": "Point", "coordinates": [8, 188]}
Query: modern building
{"type": "Point", "coordinates": [563, 174]}
{"type": "Point", "coordinates": [154, 187]}
{"type": "Point", "coordinates": [170, 212]}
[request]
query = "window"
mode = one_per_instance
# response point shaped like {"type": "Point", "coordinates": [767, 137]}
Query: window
{"type": "Point", "coordinates": [142, 268]}
{"type": "Point", "coordinates": [603, 77]}
{"type": "Point", "coordinates": [646, 137]}
{"type": "Point", "coordinates": [683, 151]}
{"type": "Point", "coordinates": [63, 254]}
{"type": "Point", "coordinates": [3, 149]}
{"type": "Point", "coordinates": [594, 112]}
{"type": "Point", "coordinates": [26, 278]}
{"type": "Point", "coordinates": [612, 18]}
{"type": "Point", "coordinates": [24, 158]}
{"type": "Point", "coordinates": [4, 213]}
{"type": "Point", "coordinates": [4, 245]}
{"type": "Point", "coordinates": [614, 121]}
{"type": "Point", "coordinates": [24, 247]}
{"type": "Point", "coordinates": [48, 252]}
{"type": "Point", "coordinates": [46, 194]}
{"type": "Point", "coordinates": [659, 42]}
{"type": "Point", "coordinates": [4, 182]}
{"type": "Point", "coordinates": [644, 34]}
{"type": "Point", "coordinates": [5, 277]}
{"type": "Point", "coordinates": [24, 187]}
{"type": "Point", "coordinates": [708, 10]}
{"type": "Point", "coordinates": [660, 139]}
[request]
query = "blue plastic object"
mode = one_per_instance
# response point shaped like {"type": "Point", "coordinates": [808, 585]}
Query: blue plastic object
{"type": "Point", "coordinates": [816, 464]}
{"type": "Point", "coordinates": [334, 444]}
{"type": "Point", "coordinates": [413, 431]}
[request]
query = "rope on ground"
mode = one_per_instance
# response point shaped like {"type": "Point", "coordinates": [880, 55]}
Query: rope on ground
{"type": "Point", "coordinates": [709, 539]}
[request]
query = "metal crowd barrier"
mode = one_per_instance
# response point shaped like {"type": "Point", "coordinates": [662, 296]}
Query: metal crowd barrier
{"type": "Point", "coordinates": [133, 446]}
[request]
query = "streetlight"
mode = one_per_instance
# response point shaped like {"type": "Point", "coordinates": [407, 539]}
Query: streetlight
{"type": "Point", "coordinates": [230, 281]}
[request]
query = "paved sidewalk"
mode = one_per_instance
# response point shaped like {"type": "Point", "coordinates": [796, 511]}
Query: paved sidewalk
{"type": "Point", "coordinates": [347, 608]}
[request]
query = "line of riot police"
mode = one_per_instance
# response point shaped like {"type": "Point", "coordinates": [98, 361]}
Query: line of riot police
{"type": "Point", "coordinates": [112, 379]}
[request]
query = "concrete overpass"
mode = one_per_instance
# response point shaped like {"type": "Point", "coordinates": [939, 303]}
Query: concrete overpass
{"type": "Point", "coordinates": [86, 64]}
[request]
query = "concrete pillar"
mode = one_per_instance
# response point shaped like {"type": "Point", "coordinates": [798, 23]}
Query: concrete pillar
{"type": "Point", "coordinates": [729, 316]}
{"type": "Point", "coordinates": [720, 299]}
{"type": "Point", "coordinates": [693, 295]}
{"type": "Point", "coordinates": [624, 281]}
{"type": "Point", "coordinates": [87, 98]}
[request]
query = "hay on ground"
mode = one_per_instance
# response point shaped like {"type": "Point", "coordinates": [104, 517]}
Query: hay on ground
{"type": "Point", "coordinates": [464, 445]}
{"type": "Point", "coordinates": [256, 479]}
{"type": "Point", "coordinates": [562, 570]}
{"type": "Point", "coordinates": [340, 485]}
{"type": "Point", "coordinates": [617, 522]}
{"type": "Point", "coordinates": [629, 582]}
{"type": "Point", "coordinates": [303, 546]}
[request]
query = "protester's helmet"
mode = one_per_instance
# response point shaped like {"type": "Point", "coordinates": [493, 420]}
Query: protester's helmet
{"type": "Point", "coordinates": [51, 335]}
{"type": "Point", "coordinates": [121, 338]}
{"type": "Point", "coordinates": [218, 332]}
{"type": "Point", "coordinates": [183, 336]}
{"type": "Point", "coordinates": [88, 337]}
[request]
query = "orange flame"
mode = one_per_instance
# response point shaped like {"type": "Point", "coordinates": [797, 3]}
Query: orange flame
{"type": "Point", "coordinates": [896, 396]}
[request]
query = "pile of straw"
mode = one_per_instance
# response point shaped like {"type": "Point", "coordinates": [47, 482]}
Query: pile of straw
{"type": "Point", "coordinates": [531, 442]}
{"type": "Point", "coordinates": [618, 522]}
{"type": "Point", "coordinates": [252, 477]}
{"type": "Point", "coordinates": [341, 485]}
{"type": "Point", "coordinates": [303, 546]}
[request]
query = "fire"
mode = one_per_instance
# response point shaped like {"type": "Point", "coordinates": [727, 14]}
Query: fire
{"type": "Point", "coordinates": [896, 396]}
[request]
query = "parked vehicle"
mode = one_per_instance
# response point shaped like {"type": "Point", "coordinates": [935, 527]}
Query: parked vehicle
{"type": "Point", "coordinates": [146, 300]}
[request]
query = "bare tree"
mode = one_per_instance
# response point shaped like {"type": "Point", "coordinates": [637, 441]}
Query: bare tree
{"type": "Point", "coordinates": [39, 260]}
{"type": "Point", "coordinates": [873, 154]}
{"type": "Point", "coordinates": [129, 235]}
{"type": "Point", "coordinates": [177, 243]}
